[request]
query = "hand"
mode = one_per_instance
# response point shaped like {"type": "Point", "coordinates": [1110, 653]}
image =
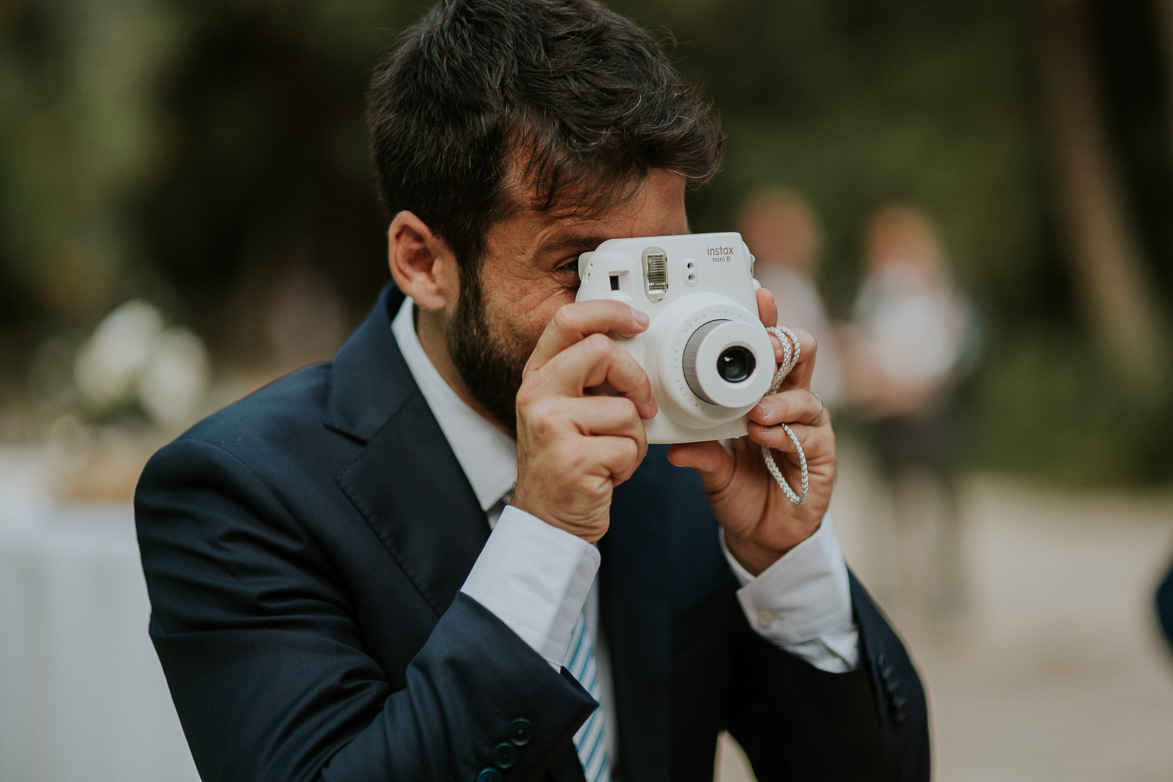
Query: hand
{"type": "Point", "coordinates": [573, 446]}
{"type": "Point", "coordinates": [760, 523]}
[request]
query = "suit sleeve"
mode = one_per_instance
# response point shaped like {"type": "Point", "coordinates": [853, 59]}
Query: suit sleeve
{"type": "Point", "coordinates": [266, 663]}
{"type": "Point", "coordinates": [797, 722]}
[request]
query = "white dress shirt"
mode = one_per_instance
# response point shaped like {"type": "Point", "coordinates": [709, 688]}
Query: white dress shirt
{"type": "Point", "coordinates": [538, 579]}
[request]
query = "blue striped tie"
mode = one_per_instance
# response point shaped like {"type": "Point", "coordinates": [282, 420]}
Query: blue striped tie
{"type": "Point", "coordinates": [591, 739]}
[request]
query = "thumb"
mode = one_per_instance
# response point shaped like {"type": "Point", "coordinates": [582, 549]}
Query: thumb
{"type": "Point", "coordinates": [711, 460]}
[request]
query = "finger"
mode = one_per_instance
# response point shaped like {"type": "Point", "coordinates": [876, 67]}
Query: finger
{"type": "Point", "coordinates": [800, 375]}
{"type": "Point", "coordinates": [590, 363]}
{"type": "Point", "coordinates": [815, 441]}
{"type": "Point", "coordinates": [768, 314]}
{"type": "Point", "coordinates": [617, 457]}
{"type": "Point", "coordinates": [573, 322]}
{"type": "Point", "coordinates": [767, 307]}
{"type": "Point", "coordinates": [612, 416]}
{"type": "Point", "coordinates": [794, 406]}
{"type": "Point", "coordinates": [552, 417]}
{"type": "Point", "coordinates": [775, 437]}
{"type": "Point", "coordinates": [711, 460]}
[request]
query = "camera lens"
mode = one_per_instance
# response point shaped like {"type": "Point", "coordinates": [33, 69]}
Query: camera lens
{"type": "Point", "coordinates": [735, 364]}
{"type": "Point", "coordinates": [719, 362]}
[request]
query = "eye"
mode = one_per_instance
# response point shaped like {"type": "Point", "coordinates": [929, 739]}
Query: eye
{"type": "Point", "coordinates": [568, 267]}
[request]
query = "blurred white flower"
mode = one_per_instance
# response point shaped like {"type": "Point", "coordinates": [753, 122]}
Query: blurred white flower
{"type": "Point", "coordinates": [109, 362]}
{"type": "Point", "coordinates": [174, 381]}
{"type": "Point", "coordinates": [132, 359]}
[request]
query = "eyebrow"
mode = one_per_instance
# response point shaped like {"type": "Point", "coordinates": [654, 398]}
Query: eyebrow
{"type": "Point", "coordinates": [573, 242]}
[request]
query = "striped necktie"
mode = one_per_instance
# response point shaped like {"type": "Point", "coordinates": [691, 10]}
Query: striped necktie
{"type": "Point", "coordinates": [591, 739]}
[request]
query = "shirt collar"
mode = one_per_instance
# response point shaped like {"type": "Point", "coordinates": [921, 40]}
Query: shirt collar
{"type": "Point", "coordinates": [487, 455]}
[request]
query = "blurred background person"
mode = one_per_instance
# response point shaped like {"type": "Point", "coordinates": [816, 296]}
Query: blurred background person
{"type": "Point", "coordinates": [783, 233]}
{"type": "Point", "coordinates": [1164, 601]}
{"type": "Point", "coordinates": [914, 341]}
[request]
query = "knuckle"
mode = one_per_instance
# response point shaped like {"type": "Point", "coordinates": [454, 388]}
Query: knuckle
{"type": "Point", "coordinates": [564, 319]}
{"type": "Point", "coordinates": [598, 491]}
{"type": "Point", "coordinates": [635, 449]}
{"type": "Point", "coordinates": [543, 417]}
{"type": "Point", "coordinates": [628, 456]}
{"type": "Point", "coordinates": [574, 459]}
{"type": "Point", "coordinates": [599, 344]}
{"type": "Point", "coordinates": [599, 352]}
{"type": "Point", "coordinates": [528, 395]}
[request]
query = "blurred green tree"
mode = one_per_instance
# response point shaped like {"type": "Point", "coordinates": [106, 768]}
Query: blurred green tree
{"type": "Point", "coordinates": [195, 153]}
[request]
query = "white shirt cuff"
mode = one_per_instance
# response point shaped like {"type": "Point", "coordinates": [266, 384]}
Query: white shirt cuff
{"type": "Point", "coordinates": [535, 578]}
{"type": "Point", "coordinates": [802, 602]}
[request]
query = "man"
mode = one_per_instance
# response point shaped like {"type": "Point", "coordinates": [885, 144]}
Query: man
{"type": "Point", "coordinates": [328, 599]}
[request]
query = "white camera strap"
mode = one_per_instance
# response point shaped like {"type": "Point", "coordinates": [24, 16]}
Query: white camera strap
{"type": "Point", "coordinates": [790, 351]}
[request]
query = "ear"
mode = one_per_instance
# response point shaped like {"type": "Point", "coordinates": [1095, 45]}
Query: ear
{"type": "Point", "coordinates": [421, 264]}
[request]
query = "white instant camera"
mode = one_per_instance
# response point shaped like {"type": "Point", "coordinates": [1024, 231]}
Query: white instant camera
{"type": "Point", "coordinates": [706, 352]}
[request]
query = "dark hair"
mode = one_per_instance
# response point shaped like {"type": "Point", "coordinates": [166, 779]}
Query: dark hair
{"type": "Point", "coordinates": [562, 101]}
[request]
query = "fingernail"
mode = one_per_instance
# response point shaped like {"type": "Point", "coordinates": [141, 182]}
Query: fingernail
{"type": "Point", "coordinates": [765, 409]}
{"type": "Point", "coordinates": [640, 316]}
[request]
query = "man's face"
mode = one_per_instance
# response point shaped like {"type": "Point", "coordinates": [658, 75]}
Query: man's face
{"type": "Point", "coordinates": [528, 271]}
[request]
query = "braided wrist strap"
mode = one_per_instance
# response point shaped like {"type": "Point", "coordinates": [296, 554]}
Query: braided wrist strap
{"type": "Point", "coordinates": [790, 352]}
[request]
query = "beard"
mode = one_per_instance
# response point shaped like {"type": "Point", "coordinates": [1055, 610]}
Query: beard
{"type": "Point", "coordinates": [490, 364]}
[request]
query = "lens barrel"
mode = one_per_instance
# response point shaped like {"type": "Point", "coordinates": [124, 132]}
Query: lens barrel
{"type": "Point", "coordinates": [720, 366]}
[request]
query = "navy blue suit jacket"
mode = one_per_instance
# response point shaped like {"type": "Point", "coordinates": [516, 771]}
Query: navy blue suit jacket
{"type": "Point", "coordinates": [1164, 601]}
{"type": "Point", "coordinates": [304, 550]}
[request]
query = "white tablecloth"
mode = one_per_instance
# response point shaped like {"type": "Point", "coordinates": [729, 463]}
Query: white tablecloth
{"type": "Point", "coordinates": [82, 695]}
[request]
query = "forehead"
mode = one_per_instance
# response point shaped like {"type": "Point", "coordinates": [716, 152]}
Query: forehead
{"type": "Point", "coordinates": [652, 207]}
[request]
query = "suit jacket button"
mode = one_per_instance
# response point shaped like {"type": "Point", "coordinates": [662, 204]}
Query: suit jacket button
{"type": "Point", "coordinates": [521, 731]}
{"type": "Point", "coordinates": [490, 775]}
{"type": "Point", "coordinates": [901, 705]}
{"type": "Point", "coordinates": [504, 755]}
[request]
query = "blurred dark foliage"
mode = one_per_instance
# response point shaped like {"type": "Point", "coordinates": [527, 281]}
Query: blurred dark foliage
{"type": "Point", "coordinates": [1140, 118]}
{"type": "Point", "coordinates": [264, 163]}
{"type": "Point", "coordinates": [191, 152]}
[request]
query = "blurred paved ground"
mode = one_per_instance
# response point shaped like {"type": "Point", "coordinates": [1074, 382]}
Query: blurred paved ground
{"type": "Point", "coordinates": [1053, 670]}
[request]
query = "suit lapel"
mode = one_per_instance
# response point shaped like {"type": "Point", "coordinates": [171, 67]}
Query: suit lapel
{"type": "Point", "coordinates": [409, 487]}
{"type": "Point", "coordinates": [406, 482]}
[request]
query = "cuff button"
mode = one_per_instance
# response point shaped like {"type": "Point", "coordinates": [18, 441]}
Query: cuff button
{"type": "Point", "coordinates": [901, 705]}
{"type": "Point", "coordinates": [490, 775]}
{"type": "Point", "coordinates": [505, 755]}
{"type": "Point", "coordinates": [520, 732]}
